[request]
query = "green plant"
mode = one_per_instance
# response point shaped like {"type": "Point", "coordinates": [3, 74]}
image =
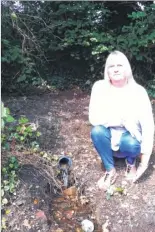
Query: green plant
{"type": "Point", "coordinates": [64, 44]}
{"type": "Point", "coordinates": [5, 116]}
{"type": "Point", "coordinates": [9, 178]}
{"type": "Point", "coordinates": [14, 133]}
{"type": "Point", "coordinates": [24, 132]}
{"type": "Point", "coordinates": [151, 88]}
{"type": "Point", "coordinates": [21, 132]}
{"type": "Point", "coordinates": [9, 183]}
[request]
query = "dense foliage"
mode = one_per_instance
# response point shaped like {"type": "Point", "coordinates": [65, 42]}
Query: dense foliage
{"type": "Point", "coordinates": [17, 136]}
{"type": "Point", "coordinates": [62, 44]}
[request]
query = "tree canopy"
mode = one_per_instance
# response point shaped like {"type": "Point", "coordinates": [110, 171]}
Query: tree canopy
{"type": "Point", "coordinates": [65, 43]}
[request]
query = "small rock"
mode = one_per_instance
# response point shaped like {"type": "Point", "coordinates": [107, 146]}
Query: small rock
{"type": "Point", "coordinates": [134, 197]}
{"type": "Point", "coordinates": [120, 221]}
{"type": "Point", "coordinates": [20, 202]}
{"type": "Point", "coordinates": [104, 226]}
{"type": "Point", "coordinates": [87, 225]}
{"type": "Point", "coordinates": [124, 183]}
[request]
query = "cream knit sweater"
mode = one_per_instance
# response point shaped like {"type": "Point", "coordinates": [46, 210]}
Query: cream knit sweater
{"type": "Point", "coordinates": [128, 108]}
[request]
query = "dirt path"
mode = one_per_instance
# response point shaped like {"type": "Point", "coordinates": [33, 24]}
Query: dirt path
{"type": "Point", "coordinates": [63, 120]}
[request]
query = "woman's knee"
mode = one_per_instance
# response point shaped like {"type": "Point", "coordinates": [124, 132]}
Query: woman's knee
{"type": "Point", "coordinates": [130, 144]}
{"type": "Point", "coordinates": [100, 131]}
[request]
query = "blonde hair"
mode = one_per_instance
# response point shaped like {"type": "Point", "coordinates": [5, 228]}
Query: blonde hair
{"type": "Point", "coordinates": [125, 63]}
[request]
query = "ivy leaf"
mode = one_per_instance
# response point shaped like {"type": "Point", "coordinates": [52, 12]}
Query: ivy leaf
{"type": "Point", "coordinates": [13, 15]}
{"type": "Point", "coordinates": [2, 123]}
{"type": "Point", "coordinates": [23, 120]}
{"type": "Point", "coordinates": [2, 192]}
{"type": "Point", "coordinates": [11, 165]}
{"type": "Point", "coordinates": [11, 186]}
{"type": "Point", "coordinates": [4, 201]}
{"type": "Point", "coordinates": [13, 159]}
{"type": "Point", "coordinates": [38, 133]}
{"type": "Point", "coordinates": [6, 188]}
{"type": "Point", "coordinates": [9, 118]}
{"type": "Point", "coordinates": [7, 146]}
{"type": "Point", "coordinates": [7, 111]}
{"type": "Point", "coordinates": [4, 170]}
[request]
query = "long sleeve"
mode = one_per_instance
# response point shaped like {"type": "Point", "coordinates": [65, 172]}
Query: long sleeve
{"type": "Point", "coordinates": [101, 109]}
{"type": "Point", "coordinates": [147, 124]}
{"type": "Point", "coordinates": [96, 115]}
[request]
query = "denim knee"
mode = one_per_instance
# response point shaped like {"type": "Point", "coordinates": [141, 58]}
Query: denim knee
{"type": "Point", "coordinates": [100, 131]}
{"type": "Point", "coordinates": [130, 144]}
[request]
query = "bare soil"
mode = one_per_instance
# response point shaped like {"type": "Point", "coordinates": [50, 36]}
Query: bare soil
{"type": "Point", "coordinates": [62, 118]}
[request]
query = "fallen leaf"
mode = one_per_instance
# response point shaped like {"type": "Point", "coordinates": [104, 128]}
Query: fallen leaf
{"type": "Point", "coordinates": [69, 214]}
{"type": "Point", "coordinates": [3, 224]}
{"type": "Point", "coordinates": [55, 157]}
{"type": "Point", "coordinates": [57, 215]}
{"type": "Point", "coordinates": [7, 211]}
{"type": "Point", "coordinates": [78, 230]}
{"type": "Point", "coordinates": [119, 190]}
{"type": "Point", "coordinates": [84, 200]}
{"type": "Point", "coordinates": [40, 214]}
{"type": "Point", "coordinates": [26, 223]}
{"type": "Point", "coordinates": [104, 226]}
{"type": "Point", "coordinates": [36, 201]}
{"type": "Point", "coordinates": [59, 230]}
{"type": "Point", "coordinates": [72, 191]}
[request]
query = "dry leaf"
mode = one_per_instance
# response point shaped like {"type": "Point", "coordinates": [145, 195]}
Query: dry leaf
{"type": "Point", "coordinates": [104, 226]}
{"type": "Point", "coordinates": [26, 223]}
{"type": "Point", "coordinates": [78, 230]}
{"type": "Point", "coordinates": [69, 214]}
{"type": "Point", "coordinates": [7, 211]}
{"type": "Point", "coordinates": [36, 201]}
{"type": "Point", "coordinates": [84, 200]}
{"type": "Point", "coordinates": [40, 214]}
{"type": "Point", "coordinates": [59, 230]}
{"type": "Point", "coordinates": [72, 191]}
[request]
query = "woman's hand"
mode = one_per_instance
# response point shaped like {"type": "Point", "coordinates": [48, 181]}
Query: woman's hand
{"type": "Point", "coordinates": [140, 171]}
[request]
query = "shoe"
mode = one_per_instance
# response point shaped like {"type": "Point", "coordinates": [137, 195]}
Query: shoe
{"type": "Point", "coordinates": [107, 180]}
{"type": "Point", "coordinates": [130, 170]}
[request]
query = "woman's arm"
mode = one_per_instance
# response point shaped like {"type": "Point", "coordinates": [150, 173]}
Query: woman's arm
{"type": "Point", "coordinates": [147, 125]}
{"type": "Point", "coordinates": [101, 110]}
{"type": "Point", "coordinates": [96, 113]}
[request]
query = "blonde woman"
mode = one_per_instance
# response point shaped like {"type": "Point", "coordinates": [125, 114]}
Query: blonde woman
{"type": "Point", "coordinates": [121, 115]}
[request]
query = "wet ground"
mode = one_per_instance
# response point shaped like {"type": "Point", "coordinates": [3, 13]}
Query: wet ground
{"type": "Point", "coordinates": [63, 120]}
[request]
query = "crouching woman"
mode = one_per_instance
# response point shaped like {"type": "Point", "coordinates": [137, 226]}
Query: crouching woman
{"type": "Point", "coordinates": [121, 115]}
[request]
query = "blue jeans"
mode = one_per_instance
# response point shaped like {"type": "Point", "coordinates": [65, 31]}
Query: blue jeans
{"type": "Point", "coordinates": [129, 147]}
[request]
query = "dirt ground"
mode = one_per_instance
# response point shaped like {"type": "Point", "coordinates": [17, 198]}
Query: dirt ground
{"type": "Point", "coordinates": [63, 120]}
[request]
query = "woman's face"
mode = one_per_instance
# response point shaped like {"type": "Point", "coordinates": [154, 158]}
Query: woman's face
{"type": "Point", "coordinates": [116, 72]}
